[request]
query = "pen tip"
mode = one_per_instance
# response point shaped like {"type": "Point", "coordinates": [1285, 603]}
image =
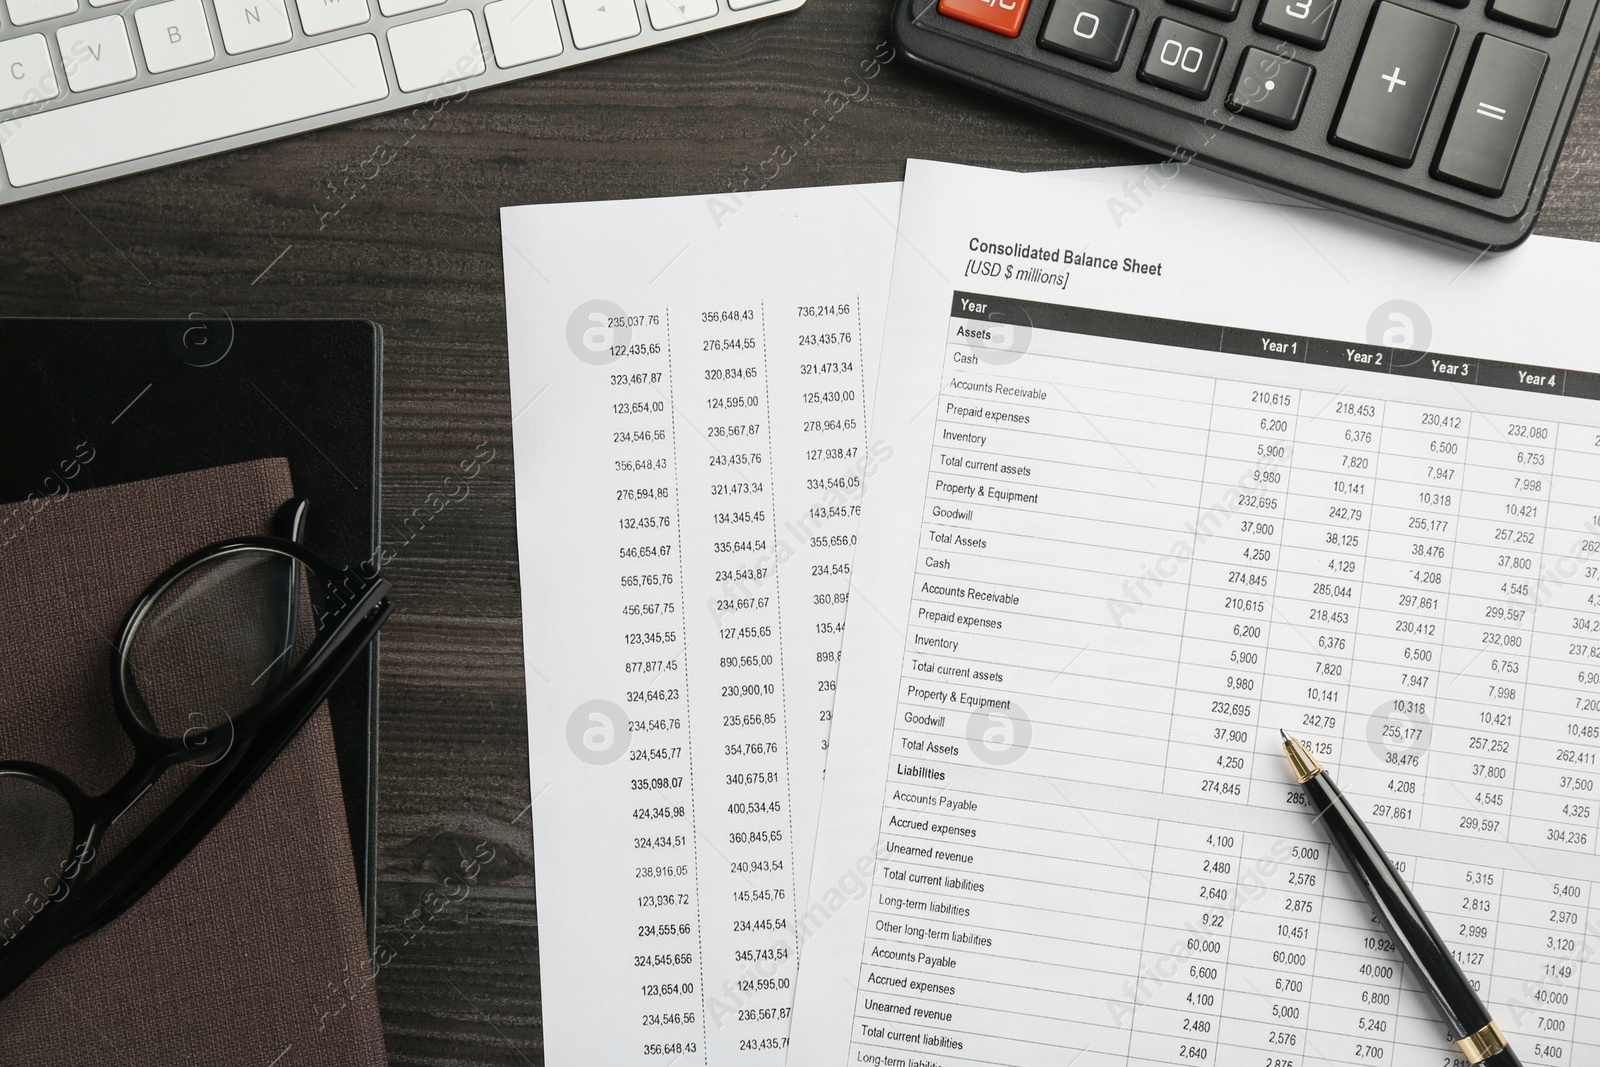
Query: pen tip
{"type": "Point", "coordinates": [1305, 764]}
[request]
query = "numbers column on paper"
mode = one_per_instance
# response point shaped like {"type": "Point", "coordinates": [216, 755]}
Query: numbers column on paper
{"type": "Point", "coordinates": [1557, 773]}
{"type": "Point", "coordinates": [1231, 934]}
{"type": "Point", "coordinates": [1413, 499]}
{"type": "Point", "coordinates": [823, 466]}
{"type": "Point", "coordinates": [1238, 533]}
{"type": "Point", "coordinates": [721, 403]}
{"type": "Point", "coordinates": [662, 1017]}
{"type": "Point", "coordinates": [1269, 1002]}
{"type": "Point", "coordinates": [1498, 552]}
{"type": "Point", "coordinates": [1539, 962]}
{"type": "Point", "coordinates": [1188, 934]}
{"type": "Point", "coordinates": [1327, 524]}
{"type": "Point", "coordinates": [1467, 903]}
{"type": "Point", "coordinates": [1357, 978]}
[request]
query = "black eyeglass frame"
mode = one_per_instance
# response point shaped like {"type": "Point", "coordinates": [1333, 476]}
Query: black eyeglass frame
{"type": "Point", "coordinates": [89, 896]}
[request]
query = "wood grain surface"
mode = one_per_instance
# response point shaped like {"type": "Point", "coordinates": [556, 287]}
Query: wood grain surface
{"type": "Point", "coordinates": [260, 233]}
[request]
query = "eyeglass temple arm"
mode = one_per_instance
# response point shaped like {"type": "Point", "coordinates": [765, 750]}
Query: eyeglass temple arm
{"type": "Point", "coordinates": [289, 524]}
{"type": "Point", "coordinates": [130, 875]}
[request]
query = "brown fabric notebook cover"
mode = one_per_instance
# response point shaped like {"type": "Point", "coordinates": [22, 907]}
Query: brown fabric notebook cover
{"type": "Point", "coordinates": [252, 950]}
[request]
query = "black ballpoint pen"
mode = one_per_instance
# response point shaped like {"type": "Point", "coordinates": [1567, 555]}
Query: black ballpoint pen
{"type": "Point", "coordinates": [1477, 1035]}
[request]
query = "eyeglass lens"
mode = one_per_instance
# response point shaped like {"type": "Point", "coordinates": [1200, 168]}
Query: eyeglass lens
{"type": "Point", "coordinates": [215, 643]}
{"type": "Point", "coordinates": [35, 849]}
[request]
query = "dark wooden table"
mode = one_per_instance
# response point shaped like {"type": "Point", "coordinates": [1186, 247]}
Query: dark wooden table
{"type": "Point", "coordinates": [255, 233]}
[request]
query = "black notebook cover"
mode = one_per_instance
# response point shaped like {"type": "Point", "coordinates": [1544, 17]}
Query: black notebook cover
{"type": "Point", "coordinates": [145, 398]}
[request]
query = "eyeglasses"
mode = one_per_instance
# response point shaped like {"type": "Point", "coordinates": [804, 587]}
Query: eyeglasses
{"type": "Point", "coordinates": [217, 667]}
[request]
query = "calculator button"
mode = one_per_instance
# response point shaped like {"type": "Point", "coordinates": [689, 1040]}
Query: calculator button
{"type": "Point", "coordinates": [1490, 112]}
{"type": "Point", "coordinates": [1304, 22]}
{"type": "Point", "coordinates": [1391, 90]}
{"type": "Point", "coordinates": [1270, 88]}
{"type": "Point", "coordinates": [1182, 58]}
{"type": "Point", "coordinates": [1223, 9]}
{"type": "Point", "coordinates": [1540, 16]}
{"type": "Point", "coordinates": [1000, 16]}
{"type": "Point", "coordinates": [1095, 31]}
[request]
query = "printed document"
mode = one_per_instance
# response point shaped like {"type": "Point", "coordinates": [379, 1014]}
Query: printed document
{"type": "Point", "coordinates": [690, 381]}
{"type": "Point", "coordinates": [1168, 468]}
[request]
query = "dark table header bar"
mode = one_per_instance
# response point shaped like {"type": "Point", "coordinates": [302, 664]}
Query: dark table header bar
{"type": "Point", "coordinates": [1319, 351]}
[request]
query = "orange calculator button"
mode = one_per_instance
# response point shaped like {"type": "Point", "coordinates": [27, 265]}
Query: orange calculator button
{"type": "Point", "coordinates": [1000, 16]}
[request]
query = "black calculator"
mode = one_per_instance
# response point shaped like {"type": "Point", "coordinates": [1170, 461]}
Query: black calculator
{"type": "Point", "coordinates": [1444, 117]}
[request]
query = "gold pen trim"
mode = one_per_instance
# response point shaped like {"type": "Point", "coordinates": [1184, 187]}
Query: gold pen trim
{"type": "Point", "coordinates": [1305, 764]}
{"type": "Point", "coordinates": [1490, 1041]}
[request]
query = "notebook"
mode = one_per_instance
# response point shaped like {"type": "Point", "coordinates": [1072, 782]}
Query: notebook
{"type": "Point", "coordinates": [252, 948]}
{"type": "Point", "coordinates": [96, 402]}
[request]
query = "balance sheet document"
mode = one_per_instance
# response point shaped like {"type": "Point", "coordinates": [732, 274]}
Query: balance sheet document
{"type": "Point", "coordinates": [690, 382]}
{"type": "Point", "coordinates": [1175, 468]}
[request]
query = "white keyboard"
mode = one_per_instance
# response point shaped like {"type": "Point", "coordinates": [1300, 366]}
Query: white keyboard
{"type": "Point", "coordinates": [90, 89]}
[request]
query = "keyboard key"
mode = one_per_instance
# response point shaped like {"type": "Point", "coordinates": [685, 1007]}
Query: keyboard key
{"type": "Point", "coordinates": [25, 11]}
{"type": "Point", "coordinates": [1490, 112]}
{"type": "Point", "coordinates": [105, 3]}
{"type": "Point", "coordinates": [598, 22]}
{"type": "Point", "coordinates": [173, 35]}
{"type": "Point", "coordinates": [522, 31]}
{"type": "Point", "coordinates": [96, 53]}
{"type": "Point", "coordinates": [436, 51]}
{"type": "Point", "coordinates": [740, 5]}
{"type": "Point", "coordinates": [1540, 16]}
{"type": "Point", "coordinates": [1182, 58]}
{"type": "Point", "coordinates": [392, 8]}
{"type": "Point", "coordinates": [998, 16]}
{"type": "Point", "coordinates": [1223, 9]}
{"type": "Point", "coordinates": [325, 16]}
{"type": "Point", "coordinates": [1391, 90]}
{"type": "Point", "coordinates": [1306, 22]}
{"type": "Point", "coordinates": [1095, 31]}
{"type": "Point", "coordinates": [250, 24]}
{"type": "Point", "coordinates": [1270, 88]}
{"type": "Point", "coordinates": [192, 111]}
{"type": "Point", "coordinates": [26, 73]}
{"type": "Point", "coordinates": [665, 14]}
